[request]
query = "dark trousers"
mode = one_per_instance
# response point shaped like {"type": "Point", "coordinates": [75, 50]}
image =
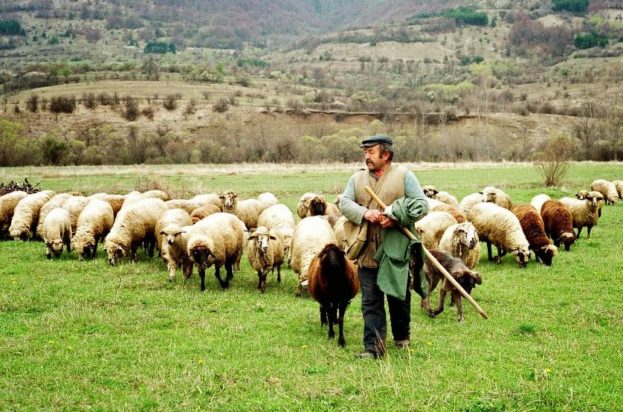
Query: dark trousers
{"type": "Point", "coordinates": [373, 309]}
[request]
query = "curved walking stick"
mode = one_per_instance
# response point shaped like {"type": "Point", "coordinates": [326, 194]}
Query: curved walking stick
{"type": "Point", "coordinates": [434, 261]}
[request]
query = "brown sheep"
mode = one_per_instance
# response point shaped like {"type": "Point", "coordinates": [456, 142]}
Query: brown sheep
{"type": "Point", "coordinates": [204, 211]}
{"type": "Point", "coordinates": [453, 210]}
{"type": "Point", "coordinates": [558, 223]}
{"type": "Point", "coordinates": [467, 278]}
{"type": "Point", "coordinates": [534, 229]}
{"type": "Point", "coordinates": [333, 282]}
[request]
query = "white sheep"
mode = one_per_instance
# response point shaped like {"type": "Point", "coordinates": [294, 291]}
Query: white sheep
{"type": "Point", "coordinates": [217, 240]}
{"type": "Point", "coordinates": [461, 240]}
{"type": "Point", "coordinates": [312, 204]}
{"type": "Point", "coordinates": [57, 232]}
{"type": "Point", "coordinates": [176, 217]}
{"type": "Point", "coordinates": [601, 201]}
{"type": "Point", "coordinates": [618, 184]}
{"type": "Point", "coordinates": [432, 226]}
{"type": "Point", "coordinates": [134, 224]}
{"type": "Point", "coordinates": [247, 210]}
{"type": "Point", "coordinates": [469, 201]}
{"type": "Point", "coordinates": [265, 251]}
{"type": "Point", "coordinates": [196, 202]}
{"type": "Point", "coordinates": [499, 226]}
{"type": "Point", "coordinates": [115, 201]}
{"type": "Point", "coordinates": [156, 194]}
{"type": "Point", "coordinates": [175, 249]}
{"type": "Point", "coordinates": [538, 200]}
{"type": "Point", "coordinates": [267, 200]}
{"type": "Point", "coordinates": [310, 237]}
{"type": "Point", "coordinates": [280, 219]}
{"type": "Point", "coordinates": [302, 208]}
{"type": "Point", "coordinates": [447, 198]}
{"type": "Point", "coordinates": [584, 213]}
{"type": "Point", "coordinates": [75, 205]}
{"type": "Point", "coordinates": [204, 211]}
{"type": "Point", "coordinates": [606, 188]}
{"type": "Point", "coordinates": [26, 215]}
{"type": "Point", "coordinates": [94, 223]}
{"type": "Point", "coordinates": [499, 197]}
{"type": "Point", "coordinates": [8, 202]}
{"type": "Point", "coordinates": [53, 203]}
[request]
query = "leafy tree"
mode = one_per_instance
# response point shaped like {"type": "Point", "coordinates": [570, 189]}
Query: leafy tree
{"type": "Point", "coordinates": [52, 150]}
{"type": "Point", "coordinates": [574, 6]}
{"type": "Point", "coordinates": [592, 39]}
{"type": "Point", "coordinates": [11, 27]}
{"type": "Point", "coordinates": [159, 47]}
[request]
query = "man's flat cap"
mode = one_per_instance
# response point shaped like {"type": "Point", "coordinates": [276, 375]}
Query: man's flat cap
{"type": "Point", "coordinates": [377, 139]}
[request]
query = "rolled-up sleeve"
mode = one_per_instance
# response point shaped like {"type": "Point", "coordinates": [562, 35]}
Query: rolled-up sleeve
{"type": "Point", "coordinates": [349, 208]}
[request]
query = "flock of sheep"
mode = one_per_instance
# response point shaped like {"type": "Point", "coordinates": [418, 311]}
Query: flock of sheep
{"type": "Point", "coordinates": [216, 230]}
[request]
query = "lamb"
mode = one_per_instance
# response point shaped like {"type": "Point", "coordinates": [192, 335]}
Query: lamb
{"type": "Point", "coordinates": [499, 226]}
{"type": "Point", "coordinates": [94, 223]}
{"type": "Point", "coordinates": [217, 240]}
{"type": "Point", "coordinates": [601, 201]}
{"type": "Point", "coordinates": [247, 210]}
{"type": "Point", "coordinates": [265, 251]}
{"type": "Point", "coordinates": [8, 202]}
{"type": "Point", "coordinates": [175, 249]}
{"type": "Point", "coordinates": [312, 204]}
{"type": "Point", "coordinates": [429, 191]}
{"type": "Point", "coordinates": [558, 223]}
{"type": "Point", "coordinates": [461, 240]}
{"type": "Point", "coordinates": [467, 278]}
{"type": "Point", "coordinates": [204, 211]}
{"type": "Point", "coordinates": [267, 200]}
{"type": "Point", "coordinates": [280, 219]}
{"type": "Point", "coordinates": [26, 214]}
{"type": "Point", "coordinates": [534, 229]}
{"type": "Point", "coordinates": [538, 200]}
{"type": "Point", "coordinates": [57, 232]}
{"type": "Point", "coordinates": [134, 224]}
{"type": "Point", "coordinates": [75, 205]}
{"type": "Point", "coordinates": [469, 201]}
{"type": "Point", "coordinates": [618, 184]}
{"type": "Point", "coordinates": [310, 237]}
{"type": "Point", "coordinates": [176, 217]}
{"type": "Point", "coordinates": [432, 226]}
{"type": "Point", "coordinates": [115, 201]}
{"type": "Point", "coordinates": [53, 203]}
{"type": "Point", "coordinates": [333, 282]}
{"type": "Point", "coordinates": [497, 196]}
{"type": "Point", "coordinates": [444, 197]}
{"type": "Point", "coordinates": [606, 188]}
{"type": "Point", "coordinates": [584, 213]}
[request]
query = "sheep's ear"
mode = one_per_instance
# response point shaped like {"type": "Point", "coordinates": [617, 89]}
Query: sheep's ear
{"type": "Point", "coordinates": [435, 191]}
{"type": "Point", "coordinates": [477, 277]}
{"type": "Point", "coordinates": [480, 192]}
{"type": "Point", "coordinates": [162, 232]}
{"type": "Point", "coordinates": [271, 237]}
{"type": "Point", "coordinates": [252, 237]}
{"type": "Point", "coordinates": [222, 197]}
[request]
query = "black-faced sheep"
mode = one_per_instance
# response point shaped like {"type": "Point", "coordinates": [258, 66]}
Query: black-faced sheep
{"type": "Point", "coordinates": [497, 196]}
{"type": "Point", "coordinates": [217, 240]}
{"type": "Point", "coordinates": [538, 200]}
{"type": "Point", "coordinates": [8, 202]}
{"type": "Point", "coordinates": [56, 232]}
{"type": "Point", "coordinates": [93, 225]}
{"type": "Point", "coordinates": [311, 235]}
{"type": "Point", "coordinates": [606, 188]}
{"type": "Point", "coordinates": [134, 224]}
{"type": "Point", "coordinates": [247, 210]}
{"type": "Point", "coordinates": [467, 278]}
{"type": "Point", "coordinates": [265, 251]}
{"type": "Point", "coordinates": [499, 226]}
{"type": "Point", "coordinates": [432, 226]}
{"type": "Point", "coordinates": [333, 282]}
{"type": "Point", "coordinates": [461, 240]}
{"type": "Point", "coordinates": [558, 223]}
{"type": "Point", "coordinates": [26, 215]}
{"type": "Point", "coordinates": [584, 213]}
{"type": "Point", "coordinates": [534, 229]}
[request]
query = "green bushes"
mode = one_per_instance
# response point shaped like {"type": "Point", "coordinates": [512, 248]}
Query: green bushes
{"type": "Point", "coordinates": [574, 6]}
{"type": "Point", "coordinates": [11, 27]}
{"type": "Point", "coordinates": [588, 40]}
{"type": "Point", "coordinates": [63, 104]}
{"type": "Point", "coordinates": [159, 47]}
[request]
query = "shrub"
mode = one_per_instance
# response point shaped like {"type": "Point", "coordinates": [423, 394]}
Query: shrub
{"type": "Point", "coordinates": [574, 6]}
{"type": "Point", "coordinates": [148, 112]}
{"type": "Point", "coordinates": [552, 161]}
{"type": "Point", "coordinates": [592, 39]}
{"type": "Point", "coordinates": [89, 100]}
{"type": "Point", "coordinates": [63, 104]}
{"type": "Point", "coordinates": [32, 103]}
{"type": "Point", "coordinates": [170, 102]}
{"type": "Point", "coordinates": [191, 107]}
{"type": "Point", "coordinates": [131, 111]}
{"type": "Point", "coordinates": [221, 106]}
{"type": "Point", "coordinates": [159, 47]}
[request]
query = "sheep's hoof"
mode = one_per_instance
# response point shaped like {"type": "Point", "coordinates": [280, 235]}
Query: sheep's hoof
{"type": "Point", "coordinates": [341, 342]}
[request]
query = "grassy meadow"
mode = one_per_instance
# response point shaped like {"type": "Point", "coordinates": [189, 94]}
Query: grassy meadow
{"type": "Point", "coordinates": [78, 335]}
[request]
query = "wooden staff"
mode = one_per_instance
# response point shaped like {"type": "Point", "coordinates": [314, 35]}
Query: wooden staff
{"type": "Point", "coordinates": [434, 261]}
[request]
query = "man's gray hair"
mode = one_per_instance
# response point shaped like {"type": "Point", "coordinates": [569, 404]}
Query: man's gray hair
{"type": "Point", "coordinates": [386, 148]}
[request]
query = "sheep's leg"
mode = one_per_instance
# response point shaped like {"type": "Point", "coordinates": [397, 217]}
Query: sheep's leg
{"type": "Point", "coordinates": [458, 302]}
{"type": "Point", "coordinates": [48, 253]}
{"type": "Point", "coordinates": [332, 318]}
{"type": "Point", "coordinates": [95, 249]}
{"type": "Point", "coordinates": [579, 231]}
{"type": "Point", "coordinates": [230, 272]}
{"type": "Point", "coordinates": [261, 285]}
{"type": "Point", "coordinates": [342, 308]}
{"type": "Point", "coordinates": [442, 298]}
{"type": "Point", "coordinates": [187, 269]}
{"type": "Point", "coordinates": [217, 273]}
{"type": "Point", "coordinates": [279, 274]}
{"type": "Point", "coordinates": [489, 253]}
{"type": "Point", "coordinates": [152, 245]}
{"type": "Point", "coordinates": [588, 235]}
{"type": "Point", "coordinates": [202, 276]}
{"type": "Point", "coordinates": [323, 315]}
{"type": "Point", "coordinates": [171, 266]}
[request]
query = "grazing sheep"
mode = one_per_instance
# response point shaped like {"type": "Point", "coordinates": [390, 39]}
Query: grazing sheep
{"type": "Point", "coordinates": [217, 240]}
{"type": "Point", "coordinates": [280, 219]}
{"type": "Point", "coordinates": [175, 249]}
{"type": "Point", "coordinates": [582, 194]}
{"type": "Point", "coordinates": [453, 210]}
{"type": "Point", "coordinates": [175, 217]}
{"type": "Point", "coordinates": [247, 210]}
{"type": "Point", "coordinates": [94, 223]}
{"type": "Point", "coordinates": [115, 201]}
{"type": "Point", "coordinates": [584, 213]}
{"type": "Point", "coordinates": [56, 232]}
{"type": "Point", "coordinates": [26, 215]}
{"type": "Point", "coordinates": [333, 282]}
{"type": "Point", "coordinates": [75, 205]}
{"type": "Point", "coordinates": [469, 201]}
{"type": "Point", "coordinates": [265, 251]}
{"type": "Point", "coordinates": [310, 237]}
{"type": "Point", "coordinates": [267, 200]}
{"type": "Point", "coordinates": [606, 188]}
{"type": "Point", "coordinates": [312, 204]}
{"type": "Point", "coordinates": [156, 194]}
{"type": "Point", "coordinates": [467, 278]}
{"type": "Point", "coordinates": [53, 203]}
{"type": "Point", "coordinates": [534, 229]}
{"type": "Point", "coordinates": [447, 198]}
{"type": "Point", "coordinates": [538, 200]}
{"type": "Point", "coordinates": [431, 227]}
{"type": "Point", "coordinates": [196, 202]}
{"type": "Point", "coordinates": [497, 196]}
{"type": "Point", "coordinates": [618, 184]}
{"type": "Point", "coordinates": [461, 240]}
{"type": "Point", "coordinates": [134, 224]}
{"type": "Point", "coordinates": [204, 211]}
{"type": "Point", "coordinates": [302, 208]}
{"type": "Point", "coordinates": [558, 223]}
{"type": "Point", "coordinates": [8, 202]}
{"type": "Point", "coordinates": [499, 226]}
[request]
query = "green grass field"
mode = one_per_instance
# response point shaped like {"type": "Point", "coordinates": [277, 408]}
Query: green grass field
{"type": "Point", "coordinates": [78, 335]}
